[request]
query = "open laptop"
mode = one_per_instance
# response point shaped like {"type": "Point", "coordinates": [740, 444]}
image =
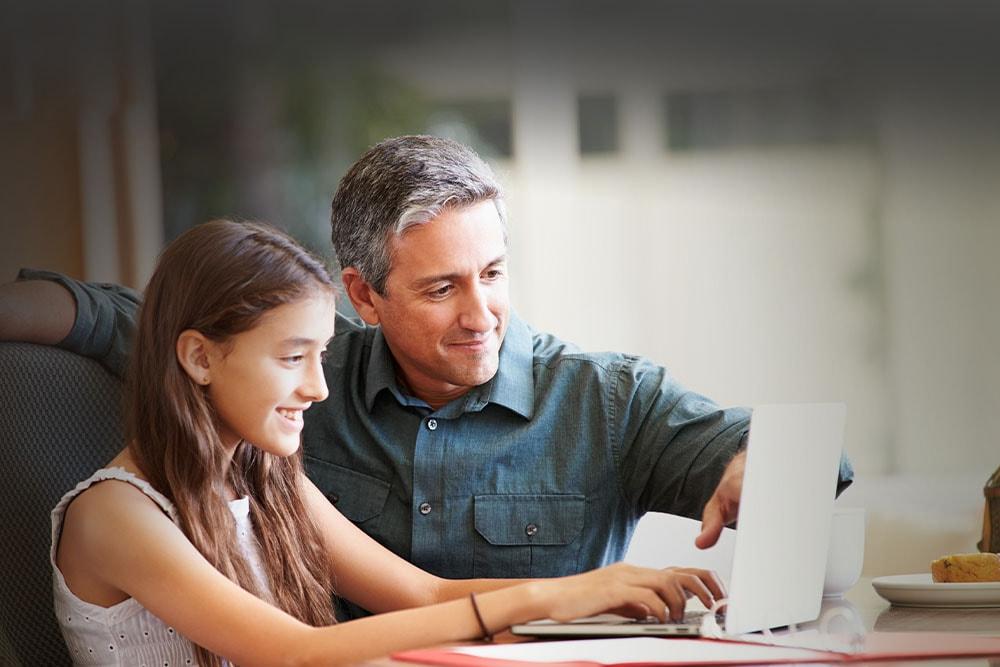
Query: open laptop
{"type": "Point", "coordinates": [779, 561]}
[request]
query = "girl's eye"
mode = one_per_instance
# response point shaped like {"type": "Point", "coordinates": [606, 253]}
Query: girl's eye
{"type": "Point", "coordinates": [294, 359]}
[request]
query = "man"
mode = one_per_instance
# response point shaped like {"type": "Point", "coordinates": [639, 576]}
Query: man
{"type": "Point", "coordinates": [454, 434]}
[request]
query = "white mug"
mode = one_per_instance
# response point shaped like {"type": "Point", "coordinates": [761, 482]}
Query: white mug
{"type": "Point", "coordinates": [846, 554]}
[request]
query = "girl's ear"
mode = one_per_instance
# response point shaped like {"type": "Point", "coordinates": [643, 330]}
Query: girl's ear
{"type": "Point", "coordinates": [193, 355]}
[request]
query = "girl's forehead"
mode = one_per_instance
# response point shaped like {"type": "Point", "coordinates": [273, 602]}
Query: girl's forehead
{"type": "Point", "coordinates": [311, 317]}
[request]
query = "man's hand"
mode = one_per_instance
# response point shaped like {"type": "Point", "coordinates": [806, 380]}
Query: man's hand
{"type": "Point", "coordinates": [722, 507]}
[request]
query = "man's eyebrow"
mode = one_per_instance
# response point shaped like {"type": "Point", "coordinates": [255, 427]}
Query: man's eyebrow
{"type": "Point", "coordinates": [450, 277]}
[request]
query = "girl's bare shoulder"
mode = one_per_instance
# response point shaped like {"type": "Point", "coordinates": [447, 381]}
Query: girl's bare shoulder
{"type": "Point", "coordinates": [111, 504]}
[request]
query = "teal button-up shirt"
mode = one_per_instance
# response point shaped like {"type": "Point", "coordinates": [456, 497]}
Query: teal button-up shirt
{"type": "Point", "coordinates": [542, 471]}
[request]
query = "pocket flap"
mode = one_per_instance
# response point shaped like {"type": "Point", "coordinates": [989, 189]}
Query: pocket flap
{"type": "Point", "coordinates": [358, 496]}
{"type": "Point", "coordinates": [524, 519]}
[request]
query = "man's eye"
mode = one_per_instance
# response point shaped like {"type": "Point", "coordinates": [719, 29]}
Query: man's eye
{"type": "Point", "coordinates": [295, 358]}
{"type": "Point", "coordinates": [442, 291]}
{"type": "Point", "coordinates": [493, 274]}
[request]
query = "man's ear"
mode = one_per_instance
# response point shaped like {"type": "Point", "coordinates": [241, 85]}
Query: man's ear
{"type": "Point", "coordinates": [361, 294]}
{"type": "Point", "coordinates": [193, 354]}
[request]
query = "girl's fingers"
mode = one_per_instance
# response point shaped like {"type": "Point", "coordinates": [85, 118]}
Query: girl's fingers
{"type": "Point", "coordinates": [676, 600]}
{"type": "Point", "coordinates": [708, 577]}
{"type": "Point", "coordinates": [711, 579]}
{"type": "Point", "coordinates": [665, 584]}
{"type": "Point", "coordinates": [692, 585]}
{"type": "Point", "coordinates": [640, 592]}
{"type": "Point", "coordinates": [651, 599]}
{"type": "Point", "coordinates": [677, 586]}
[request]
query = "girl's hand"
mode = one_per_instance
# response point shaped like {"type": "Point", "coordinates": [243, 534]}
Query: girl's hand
{"type": "Point", "coordinates": [628, 590]}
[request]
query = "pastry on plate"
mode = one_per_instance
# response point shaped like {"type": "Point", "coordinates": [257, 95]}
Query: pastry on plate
{"type": "Point", "coordinates": [966, 568]}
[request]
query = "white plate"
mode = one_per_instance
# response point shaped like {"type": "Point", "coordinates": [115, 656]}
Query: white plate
{"type": "Point", "coordinates": [919, 590]}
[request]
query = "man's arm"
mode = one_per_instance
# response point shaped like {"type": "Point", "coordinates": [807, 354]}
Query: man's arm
{"type": "Point", "coordinates": [681, 453]}
{"type": "Point", "coordinates": [675, 444]}
{"type": "Point", "coordinates": [36, 311]}
{"type": "Point", "coordinates": [95, 320]}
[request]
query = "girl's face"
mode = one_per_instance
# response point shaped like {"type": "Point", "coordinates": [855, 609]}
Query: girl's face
{"type": "Point", "coordinates": [263, 379]}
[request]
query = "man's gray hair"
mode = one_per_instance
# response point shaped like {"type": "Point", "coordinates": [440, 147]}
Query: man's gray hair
{"type": "Point", "coordinates": [400, 183]}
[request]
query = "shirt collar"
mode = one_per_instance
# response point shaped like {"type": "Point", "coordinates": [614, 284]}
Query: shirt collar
{"type": "Point", "coordinates": [513, 386]}
{"type": "Point", "coordinates": [381, 370]}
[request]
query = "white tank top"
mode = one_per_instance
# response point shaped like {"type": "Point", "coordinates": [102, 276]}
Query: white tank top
{"type": "Point", "coordinates": [127, 633]}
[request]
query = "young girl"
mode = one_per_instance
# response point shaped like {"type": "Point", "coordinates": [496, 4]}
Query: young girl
{"type": "Point", "coordinates": [204, 542]}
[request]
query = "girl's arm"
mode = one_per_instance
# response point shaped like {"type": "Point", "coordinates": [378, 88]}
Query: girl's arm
{"type": "Point", "coordinates": [127, 543]}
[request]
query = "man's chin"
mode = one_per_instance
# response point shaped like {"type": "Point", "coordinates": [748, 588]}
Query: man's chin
{"type": "Point", "coordinates": [474, 376]}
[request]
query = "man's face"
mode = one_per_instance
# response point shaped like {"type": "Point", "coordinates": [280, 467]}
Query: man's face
{"type": "Point", "coordinates": [446, 306]}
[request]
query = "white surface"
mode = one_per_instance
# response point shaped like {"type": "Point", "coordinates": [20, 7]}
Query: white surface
{"type": "Point", "coordinates": [793, 456]}
{"type": "Point", "coordinates": [639, 650]}
{"type": "Point", "coordinates": [919, 590]}
{"type": "Point", "coordinates": [846, 554]}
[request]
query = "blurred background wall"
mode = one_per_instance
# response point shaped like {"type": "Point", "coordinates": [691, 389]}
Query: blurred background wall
{"type": "Point", "coordinates": [779, 201]}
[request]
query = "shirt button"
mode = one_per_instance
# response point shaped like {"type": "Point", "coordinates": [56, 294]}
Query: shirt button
{"type": "Point", "coordinates": [530, 529]}
{"type": "Point", "coordinates": [432, 424]}
{"type": "Point", "coordinates": [333, 497]}
{"type": "Point", "coordinates": [425, 508]}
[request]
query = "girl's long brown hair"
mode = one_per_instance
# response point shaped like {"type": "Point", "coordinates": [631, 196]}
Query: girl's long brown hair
{"type": "Point", "coordinates": [219, 279]}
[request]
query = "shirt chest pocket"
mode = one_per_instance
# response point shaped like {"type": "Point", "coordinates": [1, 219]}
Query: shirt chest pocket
{"type": "Point", "coordinates": [527, 535]}
{"type": "Point", "coordinates": [358, 496]}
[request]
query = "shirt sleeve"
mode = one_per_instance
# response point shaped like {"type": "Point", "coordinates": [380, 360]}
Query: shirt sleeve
{"type": "Point", "coordinates": [674, 443]}
{"type": "Point", "coordinates": [105, 319]}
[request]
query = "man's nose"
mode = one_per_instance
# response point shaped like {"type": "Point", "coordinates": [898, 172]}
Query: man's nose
{"type": "Point", "coordinates": [476, 314]}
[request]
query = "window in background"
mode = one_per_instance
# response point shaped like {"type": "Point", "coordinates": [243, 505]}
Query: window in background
{"type": "Point", "coordinates": [483, 124]}
{"type": "Point", "coordinates": [597, 117]}
{"type": "Point", "coordinates": [808, 114]}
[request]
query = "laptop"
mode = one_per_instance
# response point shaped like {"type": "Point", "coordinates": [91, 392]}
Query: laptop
{"type": "Point", "coordinates": [779, 559]}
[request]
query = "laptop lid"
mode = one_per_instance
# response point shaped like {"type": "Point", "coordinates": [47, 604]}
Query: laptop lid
{"type": "Point", "coordinates": [783, 527]}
